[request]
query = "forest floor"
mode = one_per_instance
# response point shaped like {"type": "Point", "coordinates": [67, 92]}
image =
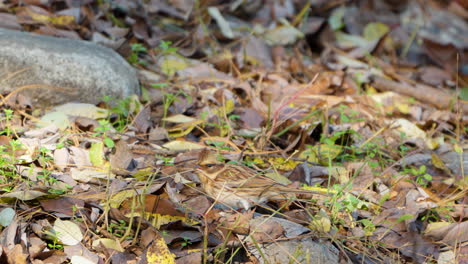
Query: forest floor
{"type": "Point", "coordinates": [362, 103]}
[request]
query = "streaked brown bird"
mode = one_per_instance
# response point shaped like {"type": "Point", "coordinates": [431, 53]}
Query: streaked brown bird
{"type": "Point", "coordinates": [238, 186]}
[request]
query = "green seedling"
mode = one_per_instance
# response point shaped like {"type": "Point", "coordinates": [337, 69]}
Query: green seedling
{"type": "Point", "coordinates": [422, 177]}
{"type": "Point", "coordinates": [348, 115]}
{"type": "Point", "coordinates": [137, 50]}
{"type": "Point", "coordinates": [122, 111]}
{"type": "Point", "coordinates": [101, 130]}
{"type": "Point", "coordinates": [168, 161]}
{"type": "Point", "coordinates": [169, 99]}
{"type": "Point", "coordinates": [186, 241]}
{"type": "Point", "coordinates": [54, 241]}
{"type": "Point", "coordinates": [8, 115]}
{"type": "Point", "coordinates": [166, 49]}
{"type": "Point", "coordinates": [117, 229]}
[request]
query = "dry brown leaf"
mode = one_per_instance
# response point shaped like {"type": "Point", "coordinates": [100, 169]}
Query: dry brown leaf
{"type": "Point", "coordinates": [17, 255]}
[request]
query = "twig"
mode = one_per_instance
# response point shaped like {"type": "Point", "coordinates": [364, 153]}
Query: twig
{"type": "Point", "coordinates": [422, 93]}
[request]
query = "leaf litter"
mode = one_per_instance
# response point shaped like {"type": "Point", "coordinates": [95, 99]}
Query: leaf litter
{"type": "Point", "coordinates": [368, 109]}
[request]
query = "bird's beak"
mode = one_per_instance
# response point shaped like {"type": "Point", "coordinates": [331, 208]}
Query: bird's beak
{"type": "Point", "coordinates": [196, 167]}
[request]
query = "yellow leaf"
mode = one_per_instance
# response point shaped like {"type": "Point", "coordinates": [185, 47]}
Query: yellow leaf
{"type": "Point", "coordinates": [458, 149]}
{"type": "Point", "coordinates": [403, 108]}
{"type": "Point", "coordinates": [62, 20]}
{"type": "Point", "coordinates": [118, 198]}
{"type": "Point", "coordinates": [158, 253]}
{"type": "Point", "coordinates": [340, 173]}
{"type": "Point", "coordinates": [375, 30]}
{"type": "Point", "coordinates": [432, 143]}
{"type": "Point", "coordinates": [170, 66]}
{"type": "Point", "coordinates": [317, 189]}
{"type": "Point", "coordinates": [38, 17]}
{"type": "Point", "coordinates": [321, 222]}
{"type": "Point", "coordinates": [226, 109]}
{"type": "Point", "coordinates": [96, 154]}
{"type": "Point", "coordinates": [157, 220]}
{"type": "Point", "coordinates": [143, 174]}
{"type": "Point", "coordinates": [439, 163]}
{"type": "Point", "coordinates": [183, 129]}
{"type": "Point", "coordinates": [278, 178]}
{"type": "Point", "coordinates": [327, 153]}
{"type": "Point", "coordinates": [309, 156]}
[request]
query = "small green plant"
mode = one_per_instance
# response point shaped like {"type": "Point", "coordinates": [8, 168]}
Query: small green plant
{"type": "Point", "coordinates": [122, 111]}
{"type": "Point", "coordinates": [352, 203]}
{"type": "Point", "coordinates": [101, 130]}
{"type": "Point", "coordinates": [422, 177]}
{"type": "Point", "coordinates": [186, 241]}
{"type": "Point", "coordinates": [368, 226]}
{"type": "Point", "coordinates": [223, 125]}
{"type": "Point", "coordinates": [134, 57]}
{"type": "Point", "coordinates": [165, 48]}
{"type": "Point", "coordinates": [8, 170]}
{"type": "Point", "coordinates": [169, 99]}
{"type": "Point", "coordinates": [56, 191]}
{"type": "Point", "coordinates": [403, 149]}
{"type": "Point", "coordinates": [119, 229]}
{"type": "Point", "coordinates": [8, 115]}
{"type": "Point", "coordinates": [348, 115]}
{"type": "Point", "coordinates": [167, 161]}
{"type": "Point", "coordinates": [54, 241]}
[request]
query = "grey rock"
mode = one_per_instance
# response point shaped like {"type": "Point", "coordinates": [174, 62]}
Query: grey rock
{"type": "Point", "coordinates": [298, 247]}
{"type": "Point", "coordinates": [304, 250]}
{"type": "Point", "coordinates": [53, 71]}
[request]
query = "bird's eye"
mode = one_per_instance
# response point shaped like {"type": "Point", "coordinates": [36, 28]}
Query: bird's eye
{"type": "Point", "coordinates": [210, 165]}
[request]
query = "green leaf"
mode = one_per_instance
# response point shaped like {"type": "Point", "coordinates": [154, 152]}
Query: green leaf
{"type": "Point", "coordinates": [405, 217]}
{"type": "Point", "coordinates": [109, 142]}
{"type": "Point", "coordinates": [464, 93]}
{"type": "Point", "coordinates": [336, 19]}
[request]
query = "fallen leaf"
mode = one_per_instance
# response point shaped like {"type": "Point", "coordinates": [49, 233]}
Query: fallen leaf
{"type": "Point", "coordinates": [24, 195]}
{"type": "Point", "coordinates": [81, 260]}
{"type": "Point", "coordinates": [283, 35]}
{"type": "Point", "coordinates": [158, 253]}
{"type": "Point", "coordinates": [108, 243]}
{"type": "Point", "coordinates": [182, 145]}
{"type": "Point", "coordinates": [88, 175]}
{"type": "Point", "coordinates": [321, 222]}
{"type": "Point", "coordinates": [222, 23]}
{"type": "Point", "coordinates": [6, 216]}
{"type": "Point", "coordinates": [82, 109]}
{"type": "Point", "coordinates": [96, 154]}
{"type": "Point", "coordinates": [17, 255]}
{"type": "Point", "coordinates": [67, 232]}
{"type": "Point", "coordinates": [179, 119]}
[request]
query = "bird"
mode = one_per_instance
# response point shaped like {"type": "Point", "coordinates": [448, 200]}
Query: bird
{"type": "Point", "coordinates": [238, 186]}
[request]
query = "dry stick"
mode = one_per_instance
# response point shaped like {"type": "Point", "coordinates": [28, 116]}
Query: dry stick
{"type": "Point", "coordinates": [13, 74]}
{"type": "Point", "coordinates": [422, 93]}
